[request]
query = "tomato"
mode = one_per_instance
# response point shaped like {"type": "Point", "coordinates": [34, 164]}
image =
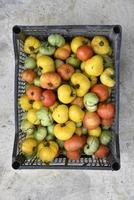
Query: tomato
{"type": "Point", "coordinates": [91, 120]}
{"type": "Point", "coordinates": [106, 110]}
{"type": "Point", "coordinates": [84, 52]}
{"type": "Point", "coordinates": [28, 75]}
{"type": "Point", "coordinates": [102, 151]}
{"type": "Point", "coordinates": [63, 52]}
{"type": "Point", "coordinates": [34, 92]}
{"type": "Point", "coordinates": [73, 155]}
{"type": "Point", "coordinates": [107, 122]}
{"type": "Point", "coordinates": [48, 98]}
{"type": "Point", "coordinates": [101, 91]}
{"type": "Point", "coordinates": [74, 143]}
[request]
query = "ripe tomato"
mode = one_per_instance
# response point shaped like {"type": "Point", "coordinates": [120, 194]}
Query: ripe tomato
{"type": "Point", "coordinates": [34, 92]}
{"type": "Point", "coordinates": [101, 91]}
{"type": "Point", "coordinates": [73, 155]}
{"type": "Point", "coordinates": [106, 110]}
{"type": "Point", "coordinates": [48, 98]}
{"type": "Point", "coordinates": [91, 120]}
{"type": "Point", "coordinates": [63, 52]}
{"type": "Point", "coordinates": [28, 75]}
{"type": "Point", "coordinates": [74, 143]}
{"type": "Point", "coordinates": [102, 151]}
{"type": "Point", "coordinates": [84, 52]}
{"type": "Point", "coordinates": [107, 122]}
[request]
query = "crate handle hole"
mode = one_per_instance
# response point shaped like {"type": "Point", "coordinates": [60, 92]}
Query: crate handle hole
{"type": "Point", "coordinates": [115, 166]}
{"type": "Point", "coordinates": [16, 165]}
{"type": "Point", "coordinates": [16, 29]}
{"type": "Point", "coordinates": [116, 29]}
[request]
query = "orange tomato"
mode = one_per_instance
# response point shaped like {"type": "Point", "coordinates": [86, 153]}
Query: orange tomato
{"type": "Point", "coordinates": [101, 91]}
{"type": "Point", "coordinates": [73, 155]}
{"type": "Point", "coordinates": [84, 52]}
{"type": "Point", "coordinates": [106, 110]}
{"type": "Point", "coordinates": [74, 143]}
{"type": "Point", "coordinates": [63, 52]}
{"type": "Point", "coordinates": [102, 151]}
{"type": "Point", "coordinates": [28, 75]}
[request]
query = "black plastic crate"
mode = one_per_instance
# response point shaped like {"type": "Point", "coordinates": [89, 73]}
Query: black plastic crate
{"type": "Point", "coordinates": [113, 33]}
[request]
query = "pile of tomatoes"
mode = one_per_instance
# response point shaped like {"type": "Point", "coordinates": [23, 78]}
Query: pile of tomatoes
{"type": "Point", "coordinates": [66, 103]}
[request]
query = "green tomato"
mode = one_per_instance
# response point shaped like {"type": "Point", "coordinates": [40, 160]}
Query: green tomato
{"type": "Point", "coordinates": [79, 124]}
{"type": "Point", "coordinates": [87, 150]}
{"type": "Point", "coordinates": [92, 145]}
{"type": "Point", "coordinates": [37, 81]}
{"type": "Point", "coordinates": [58, 63]}
{"type": "Point", "coordinates": [56, 40]}
{"type": "Point", "coordinates": [90, 99]}
{"type": "Point", "coordinates": [29, 63]}
{"type": "Point", "coordinates": [50, 129]}
{"type": "Point", "coordinates": [40, 133]}
{"type": "Point", "coordinates": [45, 116]}
{"type": "Point", "coordinates": [46, 49]}
{"type": "Point", "coordinates": [84, 131]}
{"type": "Point", "coordinates": [60, 143]}
{"type": "Point", "coordinates": [50, 137]}
{"type": "Point", "coordinates": [26, 126]}
{"type": "Point", "coordinates": [105, 137]}
{"type": "Point", "coordinates": [75, 62]}
{"type": "Point", "coordinates": [42, 113]}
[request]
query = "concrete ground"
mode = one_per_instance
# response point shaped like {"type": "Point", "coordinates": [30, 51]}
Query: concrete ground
{"type": "Point", "coordinates": [66, 185]}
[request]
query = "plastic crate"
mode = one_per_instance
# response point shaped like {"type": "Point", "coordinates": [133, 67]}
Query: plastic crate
{"type": "Point", "coordinates": [113, 33]}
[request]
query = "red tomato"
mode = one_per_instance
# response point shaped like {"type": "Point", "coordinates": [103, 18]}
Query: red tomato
{"type": "Point", "coordinates": [65, 71]}
{"type": "Point", "coordinates": [106, 110]}
{"type": "Point", "coordinates": [74, 143]}
{"type": "Point", "coordinates": [28, 75]}
{"type": "Point", "coordinates": [84, 52]}
{"type": "Point", "coordinates": [107, 122]}
{"type": "Point", "coordinates": [34, 92]}
{"type": "Point", "coordinates": [73, 155]}
{"type": "Point", "coordinates": [48, 98]}
{"type": "Point", "coordinates": [91, 120]}
{"type": "Point", "coordinates": [101, 91]}
{"type": "Point", "coordinates": [102, 151]}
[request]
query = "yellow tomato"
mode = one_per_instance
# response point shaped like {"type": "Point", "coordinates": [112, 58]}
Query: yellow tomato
{"type": "Point", "coordinates": [76, 114]}
{"type": "Point", "coordinates": [46, 64]}
{"type": "Point", "coordinates": [64, 131]}
{"type": "Point", "coordinates": [32, 117]}
{"type": "Point", "coordinates": [31, 45]}
{"type": "Point", "coordinates": [60, 114]}
{"type": "Point", "coordinates": [47, 151]}
{"type": "Point", "coordinates": [95, 132]}
{"type": "Point", "coordinates": [24, 102]}
{"type": "Point", "coordinates": [28, 146]}
{"type": "Point", "coordinates": [37, 105]}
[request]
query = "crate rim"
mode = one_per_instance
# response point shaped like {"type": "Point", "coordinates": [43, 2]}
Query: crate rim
{"type": "Point", "coordinates": [20, 28]}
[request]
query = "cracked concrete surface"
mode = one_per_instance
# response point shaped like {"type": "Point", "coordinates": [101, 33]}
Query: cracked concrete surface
{"type": "Point", "coordinates": [64, 185]}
